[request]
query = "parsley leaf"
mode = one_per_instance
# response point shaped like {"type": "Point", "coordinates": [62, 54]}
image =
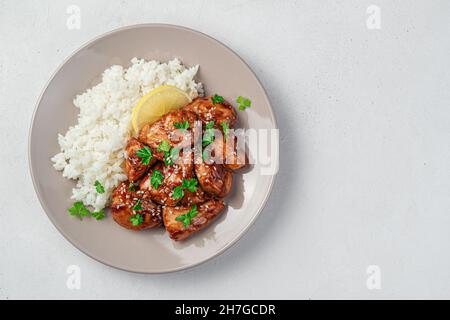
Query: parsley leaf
{"type": "Point", "coordinates": [79, 210]}
{"type": "Point", "coordinates": [156, 179]}
{"type": "Point", "coordinates": [187, 218]}
{"type": "Point", "coordinates": [244, 103]}
{"type": "Point", "coordinates": [169, 152]}
{"type": "Point", "coordinates": [174, 153]}
{"type": "Point", "coordinates": [182, 125]}
{"type": "Point", "coordinates": [131, 187]}
{"type": "Point", "coordinates": [190, 184]}
{"type": "Point", "coordinates": [99, 215]}
{"type": "Point", "coordinates": [136, 219]}
{"type": "Point", "coordinates": [99, 187]}
{"type": "Point", "coordinates": [208, 137]}
{"type": "Point", "coordinates": [145, 154]}
{"type": "Point", "coordinates": [171, 156]}
{"type": "Point", "coordinates": [205, 156]}
{"type": "Point", "coordinates": [137, 206]}
{"type": "Point", "coordinates": [178, 193]}
{"type": "Point", "coordinates": [216, 98]}
{"type": "Point", "coordinates": [164, 146]}
{"type": "Point", "coordinates": [167, 159]}
{"type": "Point", "coordinates": [225, 128]}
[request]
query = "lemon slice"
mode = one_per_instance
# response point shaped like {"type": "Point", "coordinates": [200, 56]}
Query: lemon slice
{"type": "Point", "coordinates": [156, 103]}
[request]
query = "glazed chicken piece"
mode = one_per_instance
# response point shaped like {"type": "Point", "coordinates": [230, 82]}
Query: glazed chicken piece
{"type": "Point", "coordinates": [153, 135]}
{"type": "Point", "coordinates": [172, 177]}
{"type": "Point", "coordinates": [234, 155]}
{"type": "Point", "coordinates": [218, 112]}
{"type": "Point", "coordinates": [134, 168]}
{"type": "Point", "coordinates": [201, 217]}
{"type": "Point", "coordinates": [171, 122]}
{"type": "Point", "coordinates": [123, 202]}
{"type": "Point", "coordinates": [191, 198]}
{"type": "Point", "coordinates": [227, 152]}
{"type": "Point", "coordinates": [165, 130]}
{"type": "Point", "coordinates": [225, 145]}
{"type": "Point", "coordinates": [214, 178]}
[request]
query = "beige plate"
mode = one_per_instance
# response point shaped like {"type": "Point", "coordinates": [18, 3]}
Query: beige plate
{"type": "Point", "coordinates": [150, 251]}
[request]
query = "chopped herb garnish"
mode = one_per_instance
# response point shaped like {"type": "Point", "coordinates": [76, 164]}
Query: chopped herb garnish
{"type": "Point", "coordinates": [164, 146]}
{"type": "Point", "coordinates": [156, 179]}
{"type": "Point", "coordinates": [187, 218]}
{"type": "Point", "coordinates": [244, 103]}
{"type": "Point", "coordinates": [225, 129]}
{"type": "Point", "coordinates": [171, 156]}
{"type": "Point", "coordinates": [136, 219]}
{"type": "Point", "coordinates": [79, 210]}
{"type": "Point", "coordinates": [137, 206]}
{"type": "Point", "coordinates": [131, 187]}
{"type": "Point", "coordinates": [99, 187]}
{"type": "Point", "coordinates": [99, 215]}
{"type": "Point", "coordinates": [190, 184]}
{"type": "Point", "coordinates": [208, 137]}
{"type": "Point", "coordinates": [145, 154]}
{"type": "Point", "coordinates": [182, 125]}
{"type": "Point", "coordinates": [168, 161]}
{"type": "Point", "coordinates": [174, 153]}
{"type": "Point", "coordinates": [178, 193]}
{"type": "Point", "coordinates": [205, 156]}
{"type": "Point", "coordinates": [168, 154]}
{"type": "Point", "coordinates": [216, 98]}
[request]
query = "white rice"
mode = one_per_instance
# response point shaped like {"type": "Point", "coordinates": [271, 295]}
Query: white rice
{"type": "Point", "coordinates": [93, 148]}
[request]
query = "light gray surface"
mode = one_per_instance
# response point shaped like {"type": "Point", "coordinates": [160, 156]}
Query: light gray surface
{"type": "Point", "coordinates": [364, 177]}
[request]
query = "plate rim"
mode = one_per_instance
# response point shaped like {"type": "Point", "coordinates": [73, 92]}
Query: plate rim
{"type": "Point", "coordinates": [47, 210]}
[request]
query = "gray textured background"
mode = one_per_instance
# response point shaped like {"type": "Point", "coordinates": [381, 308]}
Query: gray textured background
{"type": "Point", "coordinates": [365, 157]}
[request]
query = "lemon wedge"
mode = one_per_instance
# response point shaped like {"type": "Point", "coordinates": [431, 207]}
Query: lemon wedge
{"type": "Point", "coordinates": [156, 103]}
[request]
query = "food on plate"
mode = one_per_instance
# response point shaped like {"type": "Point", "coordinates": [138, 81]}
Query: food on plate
{"type": "Point", "coordinates": [156, 103]}
{"type": "Point", "coordinates": [189, 189]}
{"type": "Point", "coordinates": [93, 149]}
{"type": "Point", "coordinates": [214, 178]}
{"type": "Point", "coordinates": [133, 209]}
{"type": "Point", "coordinates": [243, 102]}
{"type": "Point", "coordinates": [169, 161]}
{"type": "Point", "coordinates": [165, 190]}
{"type": "Point", "coordinates": [182, 221]}
{"type": "Point", "coordinates": [165, 129]}
{"type": "Point", "coordinates": [139, 159]}
{"type": "Point", "coordinates": [212, 108]}
{"type": "Point", "coordinates": [230, 151]}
